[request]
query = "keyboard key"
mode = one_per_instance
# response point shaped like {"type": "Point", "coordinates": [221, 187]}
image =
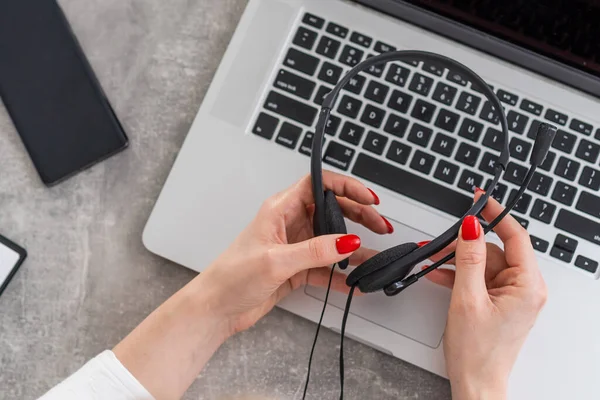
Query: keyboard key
{"type": "Point", "coordinates": [351, 133]}
{"type": "Point", "coordinates": [422, 162]}
{"type": "Point", "coordinates": [470, 130]}
{"type": "Point", "coordinates": [415, 187]}
{"type": "Point", "coordinates": [579, 226]}
{"type": "Point", "coordinates": [321, 93]}
{"type": "Point", "coordinates": [301, 61]}
{"type": "Point", "coordinates": [519, 149]}
{"type": "Point", "coordinates": [265, 125]}
{"type": "Point", "coordinates": [469, 180]}
{"type": "Point", "coordinates": [433, 68]}
{"type": "Point", "coordinates": [539, 244]}
{"type": "Point", "coordinates": [373, 116]}
{"type": "Point", "coordinates": [446, 172]}
{"type": "Point", "coordinates": [420, 135]}
{"type": "Point", "coordinates": [561, 254]}
{"type": "Point", "coordinates": [468, 103]}
{"type": "Point", "coordinates": [515, 173]}
{"type": "Point", "coordinates": [444, 93]}
{"type": "Point", "coordinates": [376, 92]}
{"type": "Point", "coordinates": [586, 264]}
{"type": "Point", "coordinates": [564, 141]}
{"type": "Point", "coordinates": [581, 127]}
{"type": "Point", "coordinates": [467, 154]}
{"type": "Point", "coordinates": [597, 135]}
{"type": "Point", "coordinates": [548, 161]}
{"type": "Point", "coordinates": [447, 120]}
{"type": "Point", "coordinates": [397, 75]}
{"type": "Point", "coordinates": [556, 117]}
{"type": "Point", "coordinates": [375, 70]}
{"type": "Point", "coordinates": [361, 39]}
{"type": "Point", "coordinates": [588, 151]}
{"type": "Point", "coordinates": [531, 107]}
{"type": "Point", "coordinates": [488, 163]}
{"type": "Point", "coordinates": [524, 223]}
{"type": "Point", "coordinates": [516, 121]}
{"type": "Point", "coordinates": [540, 184]}
{"type": "Point", "coordinates": [566, 243]}
{"type": "Point", "coordinates": [396, 125]}
{"type": "Point", "coordinates": [488, 114]}
{"type": "Point", "coordinates": [499, 191]}
{"type": "Point", "coordinates": [421, 84]}
{"type": "Point", "coordinates": [564, 193]}
{"type": "Point", "coordinates": [456, 77]}
{"type": "Point", "coordinates": [294, 84]}
{"type": "Point", "coordinates": [330, 73]}
{"type": "Point", "coordinates": [493, 139]}
{"type": "Point", "coordinates": [351, 56]}
{"type": "Point", "coordinates": [532, 134]}
{"type": "Point", "coordinates": [589, 204]}
{"type": "Point", "coordinates": [349, 106]}
{"type": "Point", "coordinates": [338, 155]}
{"type": "Point", "coordinates": [355, 84]}
{"type": "Point", "coordinates": [313, 20]}
{"type": "Point", "coordinates": [443, 144]}
{"type": "Point", "coordinates": [567, 168]}
{"type": "Point", "coordinates": [305, 38]}
{"type": "Point", "coordinates": [375, 142]}
{"type": "Point", "coordinates": [337, 30]}
{"type": "Point", "coordinates": [523, 204]}
{"type": "Point", "coordinates": [381, 47]}
{"type": "Point", "coordinates": [400, 101]}
{"type": "Point", "coordinates": [333, 123]}
{"type": "Point", "coordinates": [590, 178]}
{"type": "Point", "coordinates": [423, 110]}
{"type": "Point", "coordinates": [507, 97]}
{"type": "Point", "coordinates": [290, 108]}
{"type": "Point", "coordinates": [543, 211]}
{"type": "Point", "coordinates": [328, 47]}
{"type": "Point", "coordinates": [306, 145]}
{"type": "Point", "coordinates": [289, 135]}
{"type": "Point", "coordinates": [399, 152]}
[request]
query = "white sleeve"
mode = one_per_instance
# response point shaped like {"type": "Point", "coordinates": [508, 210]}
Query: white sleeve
{"type": "Point", "coordinates": [102, 378]}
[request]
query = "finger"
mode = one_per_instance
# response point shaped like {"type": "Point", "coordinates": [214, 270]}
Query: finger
{"type": "Point", "coordinates": [367, 216]}
{"type": "Point", "coordinates": [470, 260]}
{"type": "Point", "coordinates": [495, 259]}
{"type": "Point", "coordinates": [444, 252]}
{"type": "Point", "coordinates": [361, 255]}
{"type": "Point", "coordinates": [442, 277]}
{"type": "Point", "coordinates": [312, 253]}
{"type": "Point", "coordinates": [517, 243]}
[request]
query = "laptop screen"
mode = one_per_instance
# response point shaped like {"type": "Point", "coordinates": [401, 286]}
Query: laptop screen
{"type": "Point", "coordinates": [567, 31]}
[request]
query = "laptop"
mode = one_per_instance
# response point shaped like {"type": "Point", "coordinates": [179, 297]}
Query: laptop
{"type": "Point", "coordinates": [253, 132]}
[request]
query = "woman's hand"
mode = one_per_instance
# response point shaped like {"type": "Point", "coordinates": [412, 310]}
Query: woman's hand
{"type": "Point", "coordinates": [496, 299]}
{"type": "Point", "coordinates": [277, 252]}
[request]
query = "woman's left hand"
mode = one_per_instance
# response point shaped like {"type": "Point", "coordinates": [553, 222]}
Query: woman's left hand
{"type": "Point", "coordinates": [277, 252]}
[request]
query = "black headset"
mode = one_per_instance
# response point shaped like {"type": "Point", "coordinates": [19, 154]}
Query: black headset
{"type": "Point", "coordinates": [389, 269]}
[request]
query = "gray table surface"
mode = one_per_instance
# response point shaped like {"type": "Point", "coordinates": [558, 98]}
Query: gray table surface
{"type": "Point", "coordinates": [89, 280]}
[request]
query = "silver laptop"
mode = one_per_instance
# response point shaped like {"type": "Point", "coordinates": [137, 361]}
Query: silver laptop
{"type": "Point", "coordinates": [252, 135]}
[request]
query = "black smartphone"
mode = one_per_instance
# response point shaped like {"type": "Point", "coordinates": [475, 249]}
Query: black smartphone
{"type": "Point", "coordinates": [11, 258]}
{"type": "Point", "coordinates": [51, 92]}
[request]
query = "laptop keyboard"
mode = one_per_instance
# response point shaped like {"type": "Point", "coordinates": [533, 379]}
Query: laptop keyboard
{"type": "Point", "coordinates": [425, 132]}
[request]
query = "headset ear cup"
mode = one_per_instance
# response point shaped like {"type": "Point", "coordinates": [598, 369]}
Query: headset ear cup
{"type": "Point", "coordinates": [334, 220]}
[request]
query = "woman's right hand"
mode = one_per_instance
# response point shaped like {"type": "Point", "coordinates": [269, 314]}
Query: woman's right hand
{"type": "Point", "coordinates": [496, 298]}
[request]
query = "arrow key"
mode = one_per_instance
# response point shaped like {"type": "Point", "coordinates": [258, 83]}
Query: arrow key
{"type": "Point", "coordinates": [586, 264]}
{"type": "Point", "coordinates": [566, 243]}
{"type": "Point", "coordinates": [561, 254]}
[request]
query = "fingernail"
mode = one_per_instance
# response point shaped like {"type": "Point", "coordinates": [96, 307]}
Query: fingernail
{"type": "Point", "coordinates": [424, 267]}
{"type": "Point", "coordinates": [347, 244]}
{"type": "Point", "coordinates": [479, 190]}
{"type": "Point", "coordinates": [389, 226]}
{"type": "Point", "coordinates": [471, 228]}
{"type": "Point", "coordinates": [375, 197]}
{"type": "Point", "coordinates": [421, 244]}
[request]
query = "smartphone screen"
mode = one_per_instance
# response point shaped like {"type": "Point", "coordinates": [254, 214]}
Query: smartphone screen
{"type": "Point", "coordinates": [51, 93]}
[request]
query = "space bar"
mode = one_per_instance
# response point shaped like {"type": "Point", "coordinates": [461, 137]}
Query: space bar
{"type": "Point", "coordinates": [410, 185]}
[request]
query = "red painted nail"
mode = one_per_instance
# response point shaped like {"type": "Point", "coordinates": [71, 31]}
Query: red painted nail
{"type": "Point", "coordinates": [424, 267]}
{"type": "Point", "coordinates": [479, 190]}
{"type": "Point", "coordinates": [375, 197]}
{"type": "Point", "coordinates": [471, 228]}
{"type": "Point", "coordinates": [421, 244]}
{"type": "Point", "coordinates": [347, 244]}
{"type": "Point", "coordinates": [389, 226]}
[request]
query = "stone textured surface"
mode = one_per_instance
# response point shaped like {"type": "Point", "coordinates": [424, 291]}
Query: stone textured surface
{"type": "Point", "coordinates": [88, 280]}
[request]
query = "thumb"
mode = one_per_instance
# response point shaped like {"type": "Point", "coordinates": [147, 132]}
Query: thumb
{"type": "Point", "coordinates": [470, 259]}
{"type": "Point", "coordinates": [318, 252]}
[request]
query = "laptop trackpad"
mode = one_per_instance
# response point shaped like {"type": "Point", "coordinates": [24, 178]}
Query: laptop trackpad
{"type": "Point", "coordinates": [419, 313]}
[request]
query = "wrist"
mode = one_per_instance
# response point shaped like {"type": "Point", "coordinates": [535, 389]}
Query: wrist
{"type": "Point", "coordinates": [469, 388]}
